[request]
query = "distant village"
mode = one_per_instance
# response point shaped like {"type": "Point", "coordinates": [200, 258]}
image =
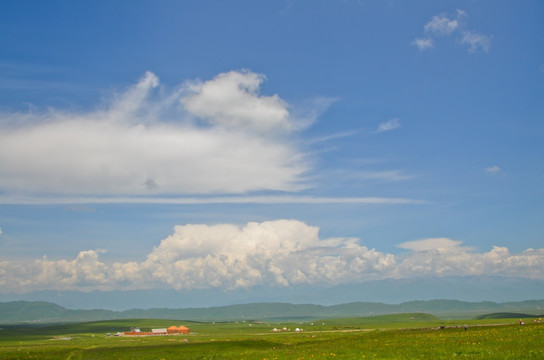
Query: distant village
{"type": "Point", "coordinates": [172, 330]}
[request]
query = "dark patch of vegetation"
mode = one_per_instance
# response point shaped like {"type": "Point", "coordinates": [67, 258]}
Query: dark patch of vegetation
{"type": "Point", "coordinates": [506, 315]}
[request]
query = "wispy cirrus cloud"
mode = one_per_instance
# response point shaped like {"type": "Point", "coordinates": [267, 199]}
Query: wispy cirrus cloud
{"type": "Point", "coordinates": [338, 135]}
{"type": "Point", "coordinates": [445, 26]}
{"type": "Point", "coordinates": [423, 43]}
{"type": "Point", "coordinates": [388, 125]}
{"type": "Point", "coordinates": [201, 200]}
{"type": "Point", "coordinates": [493, 169]}
{"type": "Point", "coordinates": [439, 244]}
{"type": "Point", "coordinates": [271, 253]}
{"type": "Point", "coordinates": [476, 41]}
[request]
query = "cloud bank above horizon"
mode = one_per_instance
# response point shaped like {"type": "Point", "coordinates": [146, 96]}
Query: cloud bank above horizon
{"type": "Point", "coordinates": [220, 136]}
{"type": "Point", "coordinates": [273, 253]}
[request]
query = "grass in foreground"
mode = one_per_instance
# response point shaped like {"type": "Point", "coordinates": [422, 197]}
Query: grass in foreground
{"type": "Point", "coordinates": [410, 336]}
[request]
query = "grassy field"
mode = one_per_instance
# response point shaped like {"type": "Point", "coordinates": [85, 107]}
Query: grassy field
{"type": "Point", "coordinates": [402, 336]}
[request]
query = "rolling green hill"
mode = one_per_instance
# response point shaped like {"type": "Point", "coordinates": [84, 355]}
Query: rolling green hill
{"type": "Point", "coordinates": [41, 311]}
{"type": "Point", "coordinates": [45, 312]}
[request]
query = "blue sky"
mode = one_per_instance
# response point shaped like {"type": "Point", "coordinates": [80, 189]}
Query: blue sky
{"type": "Point", "coordinates": [230, 146]}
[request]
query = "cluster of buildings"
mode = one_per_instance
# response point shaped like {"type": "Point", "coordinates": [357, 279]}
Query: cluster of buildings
{"type": "Point", "coordinates": [163, 331]}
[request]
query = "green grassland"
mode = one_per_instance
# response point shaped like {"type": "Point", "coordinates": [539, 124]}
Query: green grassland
{"type": "Point", "coordinates": [399, 336]}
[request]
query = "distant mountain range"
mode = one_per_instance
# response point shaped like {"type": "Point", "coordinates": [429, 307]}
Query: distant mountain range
{"type": "Point", "coordinates": [46, 312]}
{"type": "Point", "coordinates": [389, 291]}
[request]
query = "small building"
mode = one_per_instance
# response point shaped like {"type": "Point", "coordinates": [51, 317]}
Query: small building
{"type": "Point", "coordinates": [178, 330]}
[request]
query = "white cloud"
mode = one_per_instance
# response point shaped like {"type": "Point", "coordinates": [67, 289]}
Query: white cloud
{"type": "Point", "coordinates": [1, 231]}
{"type": "Point", "coordinates": [335, 136]}
{"type": "Point", "coordinates": [391, 176]}
{"type": "Point", "coordinates": [458, 261]}
{"type": "Point", "coordinates": [388, 125]}
{"type": "Point", "coordinates": [476, 41]}
{"type": "Point", "coordinates": [440, 244]}
{"type": "Point", "coordinates": [143, 143]}
{"type": "Point", "coordinates": [441, 25]}
{"type": "Point", "coordinates": [232, 99]}
{"type": "Point", "coordinates": [271, 253]}
{"type": "Point", "coordinates": [277, 253]}
{"type": "Point", "coordinates": [493, 169]}
{"type": "Point", "coordinates": [86, 271]}
{"type": "Point", "coordinates": [444, 26]}
{"type": "Point", "coordinates": [423, 43]}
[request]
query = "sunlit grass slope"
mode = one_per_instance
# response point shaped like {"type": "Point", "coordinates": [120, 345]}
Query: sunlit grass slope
{"type": "Point", "coordinates": [399, 336]}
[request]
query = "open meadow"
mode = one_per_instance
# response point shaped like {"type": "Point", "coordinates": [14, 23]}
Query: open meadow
{"type": "Point", "coordinates": [404, 336]}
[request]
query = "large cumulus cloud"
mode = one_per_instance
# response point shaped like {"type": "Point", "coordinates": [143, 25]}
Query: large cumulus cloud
{"type": "Point", "coordinates": [218, 136]}
{"type": "Point", "coordinates": [272, 253]}
{"type": "Point", "coordinates": [282, 252]}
